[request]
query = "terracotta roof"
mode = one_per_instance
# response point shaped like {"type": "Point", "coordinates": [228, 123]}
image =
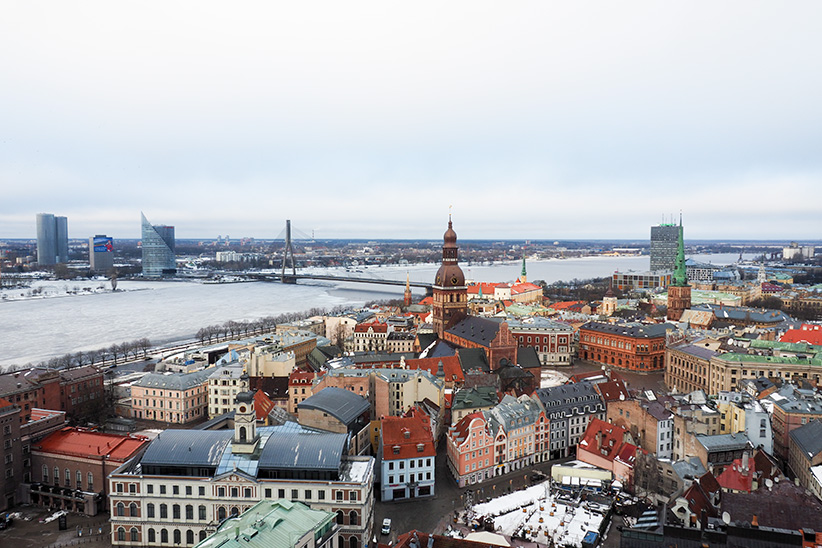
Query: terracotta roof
{"type": "Point", "coordinates": [377, 327]}
{"type": "Point", "coordinates": [429, 300]}
{"type": "Point", "coordinates": [613, 390]}
{"type": "Point", "coordinates": [487, 288]}
{"type": "Point", "coordinates": [450, 364]}
{"type": "Point", "coordinates": [406, 434]}
{"type": "Point", "coordinates": [86, 443]}
{"type": "Point", "coordinates": [567, 305]}
{"type": "Point", "coordinates": [459, 432]}
{"type": "Point", "coordinates": [605, 440]}
{"type": "Point", "coordinates": [300, 376]}
{"type": "Point", "coordinates": [4, 403]}
{"type": "Point", "coordinates": [516, 289]}
{"type": "Point", "coordinates": [809, 333]}
{"type": "Point", "coordinates": [262, 405]}
{"type": "Point", "coordinates": [734, 478]}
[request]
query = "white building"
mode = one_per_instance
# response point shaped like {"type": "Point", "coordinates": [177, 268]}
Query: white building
{"type": "Point", "coordinates": [188, 482]}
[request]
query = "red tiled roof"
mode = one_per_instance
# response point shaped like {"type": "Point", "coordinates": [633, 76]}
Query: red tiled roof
{"type": "Point", "coordinates": [86, 443]}
{"type": "Point", "coordinates": [4, 403]}
{"type": "Point", "coordinates": [262, 405]}
{"type": "Point", "coordinates": [516, 289]}
{"type": "Point", "coordinates": [427, 300]}
{"type": "Point", "coordinates": [613, 390]}
{"type": "Point", "coordinates": [734, 478]}
{"type": "Point", "coordinates": [406, 433]}
{"type": "Point", "coordinates": [376, 326]}
{"type": "Point", "coordinates": [809, 333]}
{"type": "Point", "coordinates": [459, 432]}
{"type": "Point", "coordinates": [487, 288]}
{"type": "Point", "coordinates": [450, 365]}
{"type": "Point", "coordinates": [605, 440]}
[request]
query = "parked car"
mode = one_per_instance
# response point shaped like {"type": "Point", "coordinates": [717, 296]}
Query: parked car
{"type": "Point", "coordinates": [386, 526]}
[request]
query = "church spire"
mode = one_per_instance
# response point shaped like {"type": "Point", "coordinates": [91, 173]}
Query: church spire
{"type": "Point", "coordinates": [407, 295]}
{"type": "Point", "coordinates": [680, 277]}
{"type": "Point", "coordinates": [523, 277]}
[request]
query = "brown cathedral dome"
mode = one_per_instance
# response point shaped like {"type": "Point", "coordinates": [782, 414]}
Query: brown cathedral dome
{"type": "Point", "coordinates": [450, 274]}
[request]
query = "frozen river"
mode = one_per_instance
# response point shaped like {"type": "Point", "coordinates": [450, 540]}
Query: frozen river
{"type": "Point", "coordinates": [32, 330]}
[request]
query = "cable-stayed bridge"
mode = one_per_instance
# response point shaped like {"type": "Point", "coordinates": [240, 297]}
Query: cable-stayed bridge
{"type": "Point", "coordinates": [292, 277]}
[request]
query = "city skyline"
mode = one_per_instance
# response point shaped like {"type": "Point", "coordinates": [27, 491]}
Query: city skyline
{"type": "Point", "coordinates": [534, 121]}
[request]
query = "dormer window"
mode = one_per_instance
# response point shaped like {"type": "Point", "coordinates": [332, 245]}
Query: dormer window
{"type": "Point", "coordinates": [396, 449]}
{"type": "Point", "coordinates": [420, 447]}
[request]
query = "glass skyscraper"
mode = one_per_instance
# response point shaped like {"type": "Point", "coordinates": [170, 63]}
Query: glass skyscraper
{"type": "Point", "coordinates": [52, 239]}
{"type": "Point", "coordinates": [158, 250]}
{"type": "Point", "coordinates": [664, 240]}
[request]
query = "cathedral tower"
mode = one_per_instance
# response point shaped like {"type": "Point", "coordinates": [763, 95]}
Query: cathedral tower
{"type": "Point", "coordinates": [679, 292]}
{"type": "Point", "coordinates": [523, 277]}
{"type": "Point", "coordinates": [450, 294]}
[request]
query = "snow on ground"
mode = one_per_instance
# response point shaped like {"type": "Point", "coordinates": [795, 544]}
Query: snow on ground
{"type": "Point", "coordinates": [539, 516]}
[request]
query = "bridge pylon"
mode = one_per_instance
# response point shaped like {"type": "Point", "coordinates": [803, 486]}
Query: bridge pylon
{"type": "Point", "coordinates": [288, 251]}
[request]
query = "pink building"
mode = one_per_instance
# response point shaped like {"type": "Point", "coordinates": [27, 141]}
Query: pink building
{"type": "Point", "coordinates": [609, 447]}
{"type": "Point", "coordinates": [177, 398]}
{"type": "Point", "coordinates": [471, 450]}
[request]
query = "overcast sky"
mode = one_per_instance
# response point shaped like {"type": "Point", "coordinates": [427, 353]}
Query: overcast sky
{"type": "Point", "coordinates": [368, 119]}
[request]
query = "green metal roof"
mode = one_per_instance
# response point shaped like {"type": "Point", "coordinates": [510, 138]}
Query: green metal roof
{"type": "Point", "coordinates": [780, 360]}
{"type": "Point", "coordinates": [787, 346]}
{"type": "Point", "coordinates": [271, 524]}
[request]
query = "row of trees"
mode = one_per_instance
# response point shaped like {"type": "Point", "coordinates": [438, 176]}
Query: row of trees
{"type": "Point", "coordinates": [115, 353]}
{"type": "Point", "coordinates": [232, 329]}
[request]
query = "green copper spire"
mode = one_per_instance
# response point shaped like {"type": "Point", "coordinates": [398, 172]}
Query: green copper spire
{"type": "Point", "coordinates": [680, 277]}
{"type": "Point", "coordinates": [523, 267]}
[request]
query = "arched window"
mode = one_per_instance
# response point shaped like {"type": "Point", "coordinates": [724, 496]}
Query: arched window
{"type": "Point", "coordinates": [132, 509]}
{"type": "Point", "coordinates": [352, 519]}
{"type": "Point", "coordinates": [235, 511]}
{"type": "Point", "coordinates": [189, 511]}
{"type": "Point", "coordinates": [56, 476]}
{"type": "Point", "coordinates": [202, 511]}
{"type": "Point", "coordinates": [163, 512]}
{"type": "Point", "coordinates": [45, 474]}
{"type": "Point", "coordinates": [68, 477]}
{"type": "Point", "coordinates": [78, 475]}
{"type": "Point", "coordinates": [242, 433]}
{"type": "Point", "coordinates": [152, 536]}
{"type": "Point", "coordinates": [90, 481]}
{"type": "Point", "coordinates": [340, 517]}
{"type": "Point", "coordinates": [150, 512]}
{"type": "Point", "coordinates": [202, 535]}
{"type": "Point", "coordinates": [352, 542]}
{"type": "Point", "coordinates": [189, 537]}
{"type": "Point", "coordinates": [121, 511]}
{"type": "Point", "coordinates": [134, 534]}
{"type": "Point", "coordinates": [163, 536]}
{"type": "Point", "coordinates": [175, 511]}
{"type": "Point", "coordinates": [121, 534]}
{"type": "Point", "coordinates": [178, 538]}
{"type": "Point", "coordinates": [221, 513]}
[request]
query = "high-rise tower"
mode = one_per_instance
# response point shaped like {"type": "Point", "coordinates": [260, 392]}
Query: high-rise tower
{"type": "Point", "coordinates": [158, 250]}
{"type": "Point", "coordinates": [52, 239]}
{"type": "Point", "coordinates": [663, 246]}
{"type": "Point", "coordinates": [450, 293]}
{"type": "Point", "coordinates": [679, 291]}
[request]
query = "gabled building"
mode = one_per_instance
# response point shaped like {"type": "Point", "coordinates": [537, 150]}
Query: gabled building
{"type": "Point", "coordinates": [553, 341]}
{"type": "Point", "coordinates": [490, 335]}
{"type": "Point", "coordinates": [520, 429]}
{"type": "Point", "coordinates": [471, 400]}
{"type": "Point", "coordinates": [407, 456]}
{"type": "Point", "coordinates": [469, 446]}
{"type": "Point", "coordinates": [370, 337]}
{"type": "Point", "coordinates": [569, 408]}
{"type": "Point", "coordinates": [609, 447]}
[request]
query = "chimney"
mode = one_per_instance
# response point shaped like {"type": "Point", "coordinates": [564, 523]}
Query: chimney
{"type": "Point", "coordinates": [745, 463]}
{"type": "Point", "coordinates": [754, 521]}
